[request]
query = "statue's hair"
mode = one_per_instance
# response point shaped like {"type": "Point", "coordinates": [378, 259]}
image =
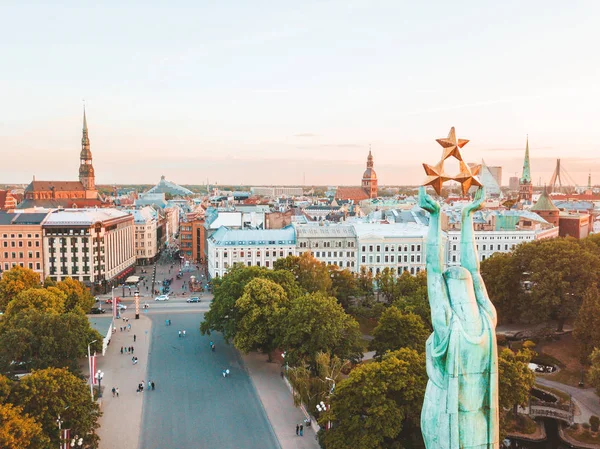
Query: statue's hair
{"type": "Point", "coordinates": [457, 272]}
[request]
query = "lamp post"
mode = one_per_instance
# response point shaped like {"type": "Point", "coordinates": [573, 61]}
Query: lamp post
{"type": "Point", "coordinates": [321, 408]}
{"type": "Point", "coordinates": [99, 376]}
{"type": "Point", "coordinates": [91, 369]}
{"type": "Point", "coordinates": [77, 441]}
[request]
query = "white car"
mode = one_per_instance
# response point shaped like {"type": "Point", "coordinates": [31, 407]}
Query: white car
{"type": "Point", "coordinates": [162, 298]}
{"type": "Point", "coordinates": [121, 306]}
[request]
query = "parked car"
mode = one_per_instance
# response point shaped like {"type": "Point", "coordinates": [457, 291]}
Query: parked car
{"type": "Point", "coordinates": [193, 299]}
{"type": "Point", "coordinates": [121, 307]}
{"type": "Point", "coordinates": [162, 298]}
{"type": "Point", "coordinates": [97, 311]}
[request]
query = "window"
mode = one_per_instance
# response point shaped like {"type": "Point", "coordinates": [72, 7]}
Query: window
{"type": "Point", "coordinates": [364, 248]}
{"type": "Point", "coordinates": [371, 248]}
{"type": "Point", "coordinates": [484, 247]}
{"type": "Point", "coordinates": [412, 258]}
{"type": "Point", "coordinates": [405, 258]}
{"type": "Point", "coordinates": [453, 247]}
{"type": "Point", "coordinates": [378, 248]}
{"type": "Point", "coordinates": [386, 259]}
{"type": "Point", "coordinates": [378, 259]}
{"type": "Point", "coordinates": [392, 259]}
{"type": "Point", "coordinates": [280, 253]}
{"type": "Point", "coordinates": [387, 248]}
{"type": "Point", "coordinates": [30, 255]}
{"type": "Point", "coordinates": [418, 247]}
{"type": "Point", "coordinates": [267, 264]}
{"type": "Point", "coordinates": [453, 258]}
{"type": "Point", "coordinates": [364, 259]}
{"type": "Point", "coordinates": [412, 248]}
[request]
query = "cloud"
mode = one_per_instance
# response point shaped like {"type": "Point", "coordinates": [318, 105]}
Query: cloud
{"type": "Point", "coordinates": [305, 135]}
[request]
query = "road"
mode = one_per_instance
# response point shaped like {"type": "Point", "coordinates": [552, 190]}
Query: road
{"type": "Point", "coordinates": [586, 397]}
{"type": "Point", "coordinates": [193, 406]}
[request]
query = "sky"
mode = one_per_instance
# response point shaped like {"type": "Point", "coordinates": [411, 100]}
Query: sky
{"type": "Point", "coordinates": [287, 92]}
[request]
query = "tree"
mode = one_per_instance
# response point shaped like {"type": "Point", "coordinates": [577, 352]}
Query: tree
{"type": "Point", "coordinates": [343, 285]}
{"type": "Point", "coordinates": [78, 296]}
{"type": "Point", "coordinates": [412, 296]}
{"type": "Point", "coordinates": [377, 402]}
{"type": "Point", "coordinates": [587, 326]}
{"type": "Point", "coordinates": [560, 273]}
{"type": "Point", "coordinates": [63, 394]}
{"type": "Point", "coordinates": [223, 314]}
{"type": "Point", "coordinates": [14, 281]}
{"type": "Point", "coordinates": [317, 323]}
{"type": "Point", "coordinates": [312, 275]}
{"type": "Point", "coordinates": [48, 300]}
{"type": "Point", "coordinates": [5, 388]}
{"type": "Point", "coordinates": [398, 330]}
{"type": "Point", "coordinates": [35, 339]}
{"type": "Point", "coordinates": [259, 310]}
{"type": "Point", "coordinates": [515, 379]}
{"type": "Point", "coordinates": [18, 430]}
{"type": "Point", "coordinates": [365, 282]}
{"type": "Point", "coordinates": [503, 278]}
{"type": "Point", "coordinates": [594, 372]}
{"type": "Point", "coordinates": [386, 283]}
{"type": "Point", "coordinates": [311, 386]}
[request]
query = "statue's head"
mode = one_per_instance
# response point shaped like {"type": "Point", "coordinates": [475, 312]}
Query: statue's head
{"type": "Point", "coordinates": [460, 289]}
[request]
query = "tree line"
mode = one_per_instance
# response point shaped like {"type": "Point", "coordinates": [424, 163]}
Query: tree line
{"type": "Point", "coordinates": [308, 310]}
{"type": "Point", "coordinates": [43, 332]}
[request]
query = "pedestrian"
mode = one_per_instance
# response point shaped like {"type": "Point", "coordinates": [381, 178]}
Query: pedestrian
{"type": "Point", "coordinates": [301, 430]}
{"type": "Point", "coordinates": [297, 430]}
{"type": "Point", "coordinates": [152, 385]}
{"type": "Point", "coordinates": [133, 360]}
{"type": "Point", "coordinates": [117, 391]}
{"type": "Point", "coordinates": [114, 391]}
{"type": "Point", "coordinates": [121, 349]}
{"type": "Point", "coordinates": [179, 334]}
{"type": "Point", "coordinates": [132, 349]}
{"type": "Point", "coordinates": [125, 350]}
{"type": "Point", "coordinates": [134, 337]}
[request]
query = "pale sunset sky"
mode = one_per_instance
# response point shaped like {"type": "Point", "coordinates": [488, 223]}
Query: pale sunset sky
{"type": "Point", "coordinates": [267, 92]}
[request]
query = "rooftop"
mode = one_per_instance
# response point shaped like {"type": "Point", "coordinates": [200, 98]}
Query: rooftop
{"type": "Point", "coordinates": [315, 230]}
{"type": "Point", "coordinates": [165, 186]}
{"type": "Point", "coordinates": [84, 217]}
{"type": "Point", "coordinates": [251, 237]}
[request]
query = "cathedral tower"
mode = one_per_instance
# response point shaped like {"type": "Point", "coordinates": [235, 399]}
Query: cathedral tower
{"type": "Point", "coordinates": [369, 180]}
{"type": "Point", "coordinates": [525, 186]}
{"type": "Point", "coordinates": [86, 169]}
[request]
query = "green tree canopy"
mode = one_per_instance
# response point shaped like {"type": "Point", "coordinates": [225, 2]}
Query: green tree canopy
{"type": "Point", "coordinates": [587, 326]}
{"type": "Point", "coordinates": [6, 386]}
{"type": "Point", "coordinates": [77, 295]}
{"type": "Point", "coordinates": [398, 330]}
{"type": "Point", "coordinates": [594, 372]}
{"type": "Point", "coordinates": [48, 300]}
{"type": "Point", "coordinates": [223, 314]}
{"type": "Point", "coordinates": [259, 310]}
{"type": "Point", "coordinates": [50, 392]}
{"type": "Point", "coordinates": [343, 285]}
{"type": "Point", "coordinates": [502, 276]}
{"type": "Point", "coordinates": [515, 379]}
{"type": "Point", "coordinates": [40, 340]}
{"type": "Point", "coordinates": [312, 275]}
{"type": "Point", "coordinates": [18, 430]}
{"type": "Point", "coordinates": [376, 402]}
{"type": "Point", "coordinates": [15, 281]}
{"type": "Point", "coordinates": [317, 323]}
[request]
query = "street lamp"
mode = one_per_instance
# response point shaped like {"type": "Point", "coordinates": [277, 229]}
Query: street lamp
{"type": "Point", "coordinates": [91, 373]}
{"type": "Point", "coordinates": [77, 441]}
{"type": "Point", "coordinates": [321, 408]}
{"type": "Point", "coordinates": [99, 376]}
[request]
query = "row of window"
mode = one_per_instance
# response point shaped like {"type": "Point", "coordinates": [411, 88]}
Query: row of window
{"type": "Point", "coordinates": [505, 237]}
{"type": "Point", "coordinates": [249, 253]}
{"type": "Point", "coordinates": [327, 245]}
{"type": "Point", "coordinates": [30, 265]}
{"type": "Point", "coordinates": [392, 259]}
{"type": "Point", "coordinates": [20, 236]}
{"type": "Point", "coordinates": [491, 247]}
{"type": "Point", "coordinates": [391, 248]}
{"type": "Point", "coordinates": [400, 270]}
{"type": "Point", "coordinates": [20, 244]}
{"type": "Point", "coordinates": [335, 254]}
{"type": "Point", "coordinates": [21, 255]}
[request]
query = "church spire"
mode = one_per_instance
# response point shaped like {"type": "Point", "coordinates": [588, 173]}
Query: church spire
{"type": "Point", "coordinates": [526, 178]}
{"type": "Point", "coordinates": [86, 169]}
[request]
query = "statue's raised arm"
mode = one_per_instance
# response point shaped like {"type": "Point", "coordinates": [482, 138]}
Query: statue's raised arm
{"type": "Point", "coordinates": [469, 258]}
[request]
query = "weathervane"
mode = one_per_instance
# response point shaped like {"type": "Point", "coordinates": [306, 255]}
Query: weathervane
{"type": "Point", "coordinates": [436, 177]}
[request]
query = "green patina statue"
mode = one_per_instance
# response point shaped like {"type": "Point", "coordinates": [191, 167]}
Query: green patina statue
{"type": "Point", "coordinates": [460, 410]}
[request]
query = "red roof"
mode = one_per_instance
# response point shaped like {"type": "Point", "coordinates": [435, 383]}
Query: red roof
{"type": "Point", "coordinates": [351, 193]}
{"type": "Point", "coordinates": [7, 200]}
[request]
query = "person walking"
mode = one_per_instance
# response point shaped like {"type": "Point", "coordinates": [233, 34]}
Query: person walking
{"type": "Point", "coordinates": [121, 349]}
{"type": "Point", "coordinates": [134, 337]}
{"type": "Point", "coordinates": [114, 391]}
{"type": "Point", "coordinates": [117, 391]}
{"type": "Point", "coordinates": [132, 349]}
{"type": "Point", "coordinates": [152, 385]}
{"type": "Point", "coordinates": [297, 430]}
{"type": "Point", "coordinates": [301, 430]}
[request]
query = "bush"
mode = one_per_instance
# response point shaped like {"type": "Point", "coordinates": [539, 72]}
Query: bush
{"type": "Point", "coordinates": [528, 344]}
{"type": "Point", "coordinates": [594, 423]}
{"type": "Point", "coordinates": [501, 340]}
{"type": "Point", "coordinates": [586, 426]}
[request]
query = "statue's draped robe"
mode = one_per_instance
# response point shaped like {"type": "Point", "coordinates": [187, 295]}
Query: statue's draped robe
{"type": "Point", "coordinates": [463, 382]}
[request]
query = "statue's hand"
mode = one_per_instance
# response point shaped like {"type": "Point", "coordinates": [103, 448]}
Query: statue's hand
{"type": "Point", "coordinates": [477, 202]}
{"type": "Point", "coordinates": [428, 203]}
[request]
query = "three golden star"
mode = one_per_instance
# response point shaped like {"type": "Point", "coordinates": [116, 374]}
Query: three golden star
{"type": "Point", "coordinates": [436, 176]}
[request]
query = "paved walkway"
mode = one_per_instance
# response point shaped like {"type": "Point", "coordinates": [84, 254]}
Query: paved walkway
{"type": "Point", "coordinates": [586, 398]}
{"type": "Point", "coordinates": [278, 403]}
{"type": "Point", "coordinates": [120, 423]}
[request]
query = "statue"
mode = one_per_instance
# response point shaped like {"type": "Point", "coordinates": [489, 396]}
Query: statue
{"type": "Point", "coordinates": [460, 410]}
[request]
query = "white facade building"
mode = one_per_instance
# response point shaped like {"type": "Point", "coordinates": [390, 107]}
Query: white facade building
{"type": "Point", "coordinates": [251, 247]}
{"type": "Point", "coordinates": [277, 191]}
{"type": "Point", "coordinates": [398, 246]}
{"type": "Point", "coordinates": [146, 243]}
{"type": "Point", "coordinates": [90, 245]}
{"type": "Point", "coordinates": [332, 244]}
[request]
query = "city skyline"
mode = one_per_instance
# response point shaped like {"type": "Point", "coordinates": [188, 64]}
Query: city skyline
{"type": "Point", "coordinates": [279, 97]}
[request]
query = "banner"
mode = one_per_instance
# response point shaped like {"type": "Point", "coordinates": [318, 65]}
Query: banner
{"type": "Point", "coordinates": [93, 369]}
{"type": "Point", "coordinates": [65, 438]}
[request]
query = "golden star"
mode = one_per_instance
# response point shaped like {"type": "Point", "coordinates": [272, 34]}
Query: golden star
{"type": "Point", "coordinates": [436, 176]}
{"type": "Point", "coordinates": [451, 145]}
{"type": "Point", "coordinates": [467, 177]}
